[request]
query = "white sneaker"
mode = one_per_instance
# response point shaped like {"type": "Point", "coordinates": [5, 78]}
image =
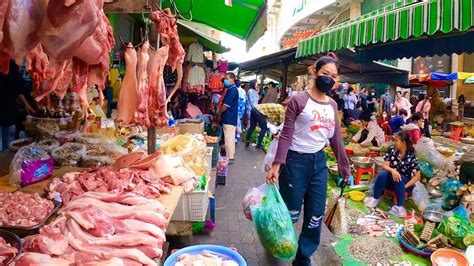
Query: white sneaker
{"type": "Point", "coordinates": [371, 202]}
{"type": "Point", "coordinates": [398, 211]}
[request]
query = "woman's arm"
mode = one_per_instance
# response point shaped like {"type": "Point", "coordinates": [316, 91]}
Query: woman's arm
{"type": "Point", "coordinates": [337, 146]}
{"type": "Point", "coordinates": [386, 167]}
{"type": "Point", "coordinates": [413, 180]}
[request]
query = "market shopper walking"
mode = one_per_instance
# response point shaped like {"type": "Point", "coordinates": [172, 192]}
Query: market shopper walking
{"type": "Point", "coordinates": [350, 102]}
{"type": "Point", "coordinates": [229, 115]}
{"type": "Point", "coordinates": [252, 100]}
{"type": "Point", "coordinates": [386, 102]}
{"type": "Point", "coordinates": [260, 115]}
{"type": "Point", "coordinates": [310, 123]}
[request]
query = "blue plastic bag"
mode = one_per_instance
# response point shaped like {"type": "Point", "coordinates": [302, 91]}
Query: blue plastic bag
{"type": "Point", "coordinates": [274, 226]}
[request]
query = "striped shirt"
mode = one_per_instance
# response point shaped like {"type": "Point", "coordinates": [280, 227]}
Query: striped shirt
{"type": "Point", "coordinates": [273, 111]}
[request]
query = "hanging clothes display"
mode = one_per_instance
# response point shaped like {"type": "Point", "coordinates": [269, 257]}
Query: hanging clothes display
{"type": "Point", "coordinates": [215, 81]}
{"type": "Point", "coordinates": [195, 53]}
{"type": "Point", "coordinates": [196, 79]}
{"type": "Point", "coordinates": [223, 65]}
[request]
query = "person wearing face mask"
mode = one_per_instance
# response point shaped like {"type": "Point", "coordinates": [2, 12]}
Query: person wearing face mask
{"type": "Point", "coordinates": [311, 123]}
{"type": "Point", "coordinates": [372, 101]}
{"type": "Point", "coordinates": [387, 102]}
{"type": "Point", "coordinates": [402, 103]}
{"type": "Point", "coordinates": [350, 102]}
{"type": "Point", "coordinates": [228, 114]}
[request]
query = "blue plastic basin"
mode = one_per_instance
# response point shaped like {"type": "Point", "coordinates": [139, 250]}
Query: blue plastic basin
{"type": "Point", "coordinates": [171, 260]}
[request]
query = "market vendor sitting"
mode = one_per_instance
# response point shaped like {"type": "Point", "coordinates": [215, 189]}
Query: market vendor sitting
{"type": "Point", "coordinates": [370, 133]}
{"type": "Point", "coordinates": [400, 173]}
{"type": "Point", "coordinates": [416, 129]}
{"type": "Point", "coordinates": [398, 121]}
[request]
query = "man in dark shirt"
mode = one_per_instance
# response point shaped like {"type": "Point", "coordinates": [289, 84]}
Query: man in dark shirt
{"type": "Point", "coordinates": [398, 121]}
{"type": "Point", "coordinates": [11, 88]}
{"type": "Point", "coordinates": [229, 115]}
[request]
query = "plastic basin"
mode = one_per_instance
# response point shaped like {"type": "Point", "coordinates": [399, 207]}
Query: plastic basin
{"type": "Point", "coordinates": [171, 260]}
{"type": "Point", "coordinates": [356, 195]}
{"type": "Point", "coordinates": [448, 253]}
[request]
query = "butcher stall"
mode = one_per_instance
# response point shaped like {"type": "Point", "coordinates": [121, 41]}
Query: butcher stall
{"type": "Point", "coordinates": [138, 198]}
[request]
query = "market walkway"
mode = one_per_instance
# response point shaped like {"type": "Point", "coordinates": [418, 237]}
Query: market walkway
{"type": "Point", "coordinates": [232, 227]}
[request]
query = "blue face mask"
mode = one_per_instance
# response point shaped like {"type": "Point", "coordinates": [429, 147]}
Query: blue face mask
{"type": "Point", "coordinates": [227, 83]}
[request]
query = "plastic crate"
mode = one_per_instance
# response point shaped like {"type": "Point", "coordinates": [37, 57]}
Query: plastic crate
{"type": "Point", "coordinates": [221, 180]}
{"type": "Point", "coordinates": [215, 154]}
{"type": "Point", "coordinates": [198, 202]}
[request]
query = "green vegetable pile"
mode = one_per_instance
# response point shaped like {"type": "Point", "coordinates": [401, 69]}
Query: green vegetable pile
{"type": "Point", "coordinates": [201, 183]}
{"type": "Point", "coordinates": [266, 142]}
{"type": "Point", "coordinates": [274, 227]}
{"type": "Point", "coordinates": [352, 129]}
{"type": "Point", "coordinates": [458, 230]}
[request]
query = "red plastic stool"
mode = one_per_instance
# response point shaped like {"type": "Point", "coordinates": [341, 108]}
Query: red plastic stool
{"type": "Point", "coordinates": [456, 132]}
{"type": "Point", "coordinates": [361, 171]}
{"type": "Point", "coordinates": [392, 193]}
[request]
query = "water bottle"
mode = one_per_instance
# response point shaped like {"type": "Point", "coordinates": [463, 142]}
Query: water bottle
{"type": "Point", "coordinates": [171, 121]}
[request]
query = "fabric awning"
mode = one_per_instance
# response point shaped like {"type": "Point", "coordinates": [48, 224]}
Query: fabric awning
{"type": "Point", "coordinates": [351, 71]}
{"type": "Point", "coordinates": [188, 35]}
{"type": "Point", "coordinates": [243, 19]}
{"type": "Point", "coordinates": [400, 22]}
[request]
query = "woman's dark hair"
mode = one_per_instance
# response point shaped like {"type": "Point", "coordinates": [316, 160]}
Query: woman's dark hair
{"type": "Point", "coordinates": [403, 112]}
{"type": "Point", "coordinates": [405, 137]}
{"type": "Point", "coordinates": [252, 83]}
{"type": "Point", "coordinates": [417, 116]}
{"type": "Point", "coordinates": [330, 58]}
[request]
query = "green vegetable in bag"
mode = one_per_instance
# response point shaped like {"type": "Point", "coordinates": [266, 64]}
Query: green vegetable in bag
{"type": "Point", "coordinates": [274, 227]}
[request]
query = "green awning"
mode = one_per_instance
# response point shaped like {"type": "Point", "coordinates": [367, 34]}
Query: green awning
{"type": "Point", "coordinates": [241, 20]}
{"type": "Point", "coordinates": [405, 20]}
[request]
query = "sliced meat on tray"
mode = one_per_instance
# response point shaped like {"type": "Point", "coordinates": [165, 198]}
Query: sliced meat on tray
{"type": "Point", "coordinates": [7, 252]}
{"type": "Point", "coordinates": [23, 209]}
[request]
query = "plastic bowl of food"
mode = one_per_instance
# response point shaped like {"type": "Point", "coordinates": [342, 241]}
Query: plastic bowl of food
{"type": "Point", "coordinates": [356, 195]}
{"type": "Point", "coordinates": [349, 151]}
{"type": "Point", "coordinates": [198, 249]}
{"type": "Point", "coordinates": [410, 248]}
{"type": "Point", "coordinates": [444, 254]}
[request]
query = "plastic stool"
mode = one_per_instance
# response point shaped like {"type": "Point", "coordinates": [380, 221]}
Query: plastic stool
{"type": "Point", "coordinates": [456, 132]}
{"type": "Point", "coordinates": [392, 193]}
{"type": "Point", "coordinates": [361, 171]}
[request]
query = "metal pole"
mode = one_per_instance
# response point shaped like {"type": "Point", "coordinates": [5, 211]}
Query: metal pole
{"type": "Point", "coordinates": [151, 131]}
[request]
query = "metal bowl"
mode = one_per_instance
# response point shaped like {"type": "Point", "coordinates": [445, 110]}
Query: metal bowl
{"type": "Point", "coordinates": [362, 162]}
{"type": "Point", "coordinates": [433, 216]}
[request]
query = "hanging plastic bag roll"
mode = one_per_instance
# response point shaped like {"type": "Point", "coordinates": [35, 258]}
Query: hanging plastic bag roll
{"type": "Point", "coordinates": [274, 226]}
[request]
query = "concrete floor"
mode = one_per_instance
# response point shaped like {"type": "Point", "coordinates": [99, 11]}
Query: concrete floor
{"type": "Point", "coordinates": [232, 227]}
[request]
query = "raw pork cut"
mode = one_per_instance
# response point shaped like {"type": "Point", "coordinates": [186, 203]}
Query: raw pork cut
{"type": "Point", "coordinates": [141, 114]}
{"type": "Point", "coordinates": [101, 228]}
{"type": "Point", "coordinates": [59, 83]}
{"type": "Point", "coordinates": [21, 28]}
{"type": "Point", "coordinates": [4, 4]}
{"type": "Point", "coordinates": [22, 209]}
{"type": "Point", "coordinates": [157, 99]}
{"type": "Point", "coordinates": [167, 28]}
{"type": "Point", "coordinates": [7, 252]}
{"type": "Point", "coordinates": [172, 170]}
{"type": "Point", "coordinates": [67, 25]}
{"type": "Point", "coordinates": [106, 179]}
{"type": "Point", "coordinates": [127, 101]}
{"type": "Point", "coordinates": [35, 259]}
{"type": "Point", "coordinates": [49, 241]}
{"type": "Point", "coordinates": [39, 67]}
{"type": "Point", "coordinates": [79, 81]}
{"type": "Point", "coordinates": [93, 47]}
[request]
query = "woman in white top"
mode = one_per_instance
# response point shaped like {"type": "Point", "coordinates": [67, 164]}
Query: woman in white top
{"type": "Point", "coordinates": [311, 123]}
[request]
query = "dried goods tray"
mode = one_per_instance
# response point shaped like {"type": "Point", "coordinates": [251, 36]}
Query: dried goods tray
{"type": "Point", "coordinates": [14, 241]}
{"type": "Point", "coordinates": [410, 248]}
{"type": "Point", "coordinates": [31, 230]}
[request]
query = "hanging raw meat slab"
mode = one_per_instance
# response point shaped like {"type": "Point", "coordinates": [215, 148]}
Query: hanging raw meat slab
{"type": "Point", "coordinates": [127, 102]}
{"type": "Point", "coordinates": [141, 115]}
